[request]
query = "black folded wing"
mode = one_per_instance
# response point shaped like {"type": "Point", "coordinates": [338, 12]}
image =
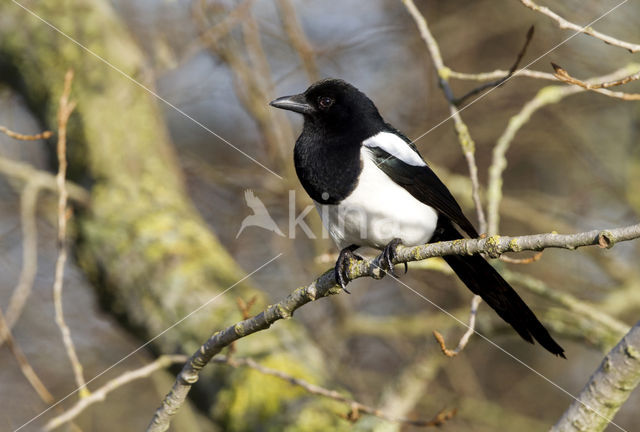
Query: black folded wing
{"type": "Point", "coordinates": [421, 182]}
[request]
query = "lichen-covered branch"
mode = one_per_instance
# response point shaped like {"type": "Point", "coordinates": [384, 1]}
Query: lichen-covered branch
{"type": "Point", "coordinates": [564, 24]}
{"type": "Point", "coordinates": [148, 251]}
{"type": "Point", "coordinates": [325, 285]}
{"type": "Point", "coordinates": [607, 390]}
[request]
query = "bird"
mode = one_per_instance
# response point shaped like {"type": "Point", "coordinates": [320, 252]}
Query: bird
{"type": "Point", "coordinates": [260, 216]}
{"type": "Point", "coordinates": [373, 189]}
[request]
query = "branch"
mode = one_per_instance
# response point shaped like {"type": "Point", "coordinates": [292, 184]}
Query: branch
{"type": "Point", "coordinates": [28, 203]}
{"type": "Point", "coordinates": [298, 39]}
{"type": "Point", "coordinates": [601, 87]}
{"type": "Point", "coordinates": [65, 110]}
{"type": "Point", "coordinates": [547, 95]}
{"type": "Point", "coordinates": [25, 367]}
{"type": "Point", "coordinates": [27, 173]}
{"type": "Point", "coordinates": [22, 137]}
{"type": "Point", "coordinates": [496, 74]}
{"type": "Point", "coordinates": [564, 24]}
{"type": "Point", "coordinates": [464, 137]}
{"type": "Point", "coordinates": [100, 394]}
{"type": "Point", "coordinates": [326, 285]}
{"type": "Point", "coordinates": [471, 328]}
{"type": "Point", "coordinates": [357, 408]}
{"type": "Point", "coordinates": [609, 387]}
{"type": "Point", "coordinates": [501, 80]}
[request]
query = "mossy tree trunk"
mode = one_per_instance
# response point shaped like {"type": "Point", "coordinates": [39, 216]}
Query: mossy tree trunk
{"type": "Point", "coordinates": [141, 239]}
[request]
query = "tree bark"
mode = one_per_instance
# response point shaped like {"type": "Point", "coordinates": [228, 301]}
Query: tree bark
{"type": "Point", "coordinates": [607, 390]}
{"type": "Point", "coordinates": [141, 240]}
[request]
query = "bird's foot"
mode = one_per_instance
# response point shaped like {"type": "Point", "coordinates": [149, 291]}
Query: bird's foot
{"type": "Point", "coordinates": [341, 269]}
{"type": "Point", "coordinates": [388, 255]}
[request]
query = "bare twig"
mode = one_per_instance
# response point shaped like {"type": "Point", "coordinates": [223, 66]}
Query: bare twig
{"type": "Point", "coordinates": [599, 87]}
{"type": "Point", "coordinates": [356, 408]}
{"type": "Point", "coordinates": [498, 73]}
{"type": "Point", "coordinates": [252, 75]}
{"type": "Point", "coordinates": [535, 257]}
{"type": "Point", "coordinates": [22, 137]}
{"type": "Point", "coordinates": [475, 302]}
{"type": "Point", "coordinates": [547, 95]}
{"type": "Point", "coordinates": [564, 24]}
{"type": "Point", "coordinates": [464, 137]}
{"type": "Point", "coordinates": [325, 286]}
{"type": "Point", "coordinates": [245, 307]}
{"type": "Point", "coordinates": [28, 201]}
{"type": "Point", "coordinates": [567, 300]}
{"type": "Point", "coordinates": [499, 81]}
{"type": "Point", "coordinates": [25, 367]}
{"type": "Point", "coordinates": [100, 394]}
{"type": "Point", "coordinates": [65, 110]}
{"type": "Point", "coordinates": [215, 33]}
{"type": "Point", "coordinates": [26, 173]}
{"type": "Point", "coordinates": [607, 390]}
{"type": "Point", "coordinates": [298, 39]}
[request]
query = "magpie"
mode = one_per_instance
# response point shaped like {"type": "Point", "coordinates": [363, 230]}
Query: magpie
{"type": "Point", "coordinates": [372, 188]}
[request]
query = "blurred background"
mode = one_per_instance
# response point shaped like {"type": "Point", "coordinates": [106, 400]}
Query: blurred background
{"type": "Point", "coordinates": [159, 235]}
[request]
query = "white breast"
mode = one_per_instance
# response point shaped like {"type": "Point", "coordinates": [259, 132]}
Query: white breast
{"type": "Point", "coordinates": [377, 211]}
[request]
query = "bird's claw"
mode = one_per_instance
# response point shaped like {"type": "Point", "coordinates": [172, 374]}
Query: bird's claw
{"type": "Point", "coordinates": [389, 254]}
{"type": "Point", "coordinates": [341, 269]}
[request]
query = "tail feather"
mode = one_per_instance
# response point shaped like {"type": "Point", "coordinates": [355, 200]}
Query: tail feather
{"type": "Point", "coordinates": [482, 279]}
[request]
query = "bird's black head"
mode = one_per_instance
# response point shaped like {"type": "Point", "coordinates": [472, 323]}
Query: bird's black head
{"type": "Point", "coordinates": [334, 105]}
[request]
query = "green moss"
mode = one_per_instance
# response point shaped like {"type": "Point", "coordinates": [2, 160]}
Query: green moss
{"type": "Point", "coordinates": [257, 398]}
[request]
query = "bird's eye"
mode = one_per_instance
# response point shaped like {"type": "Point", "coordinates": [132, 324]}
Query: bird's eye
{"type": "Point", "coordinates": [325, 102]}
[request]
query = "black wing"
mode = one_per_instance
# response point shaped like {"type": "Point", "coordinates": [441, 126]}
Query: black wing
{"type": "Point", "coordinates": [421, 182]}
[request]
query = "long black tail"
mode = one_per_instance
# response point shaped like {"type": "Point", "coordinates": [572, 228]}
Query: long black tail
{"type": "Point", "coordinates": [482, 279]}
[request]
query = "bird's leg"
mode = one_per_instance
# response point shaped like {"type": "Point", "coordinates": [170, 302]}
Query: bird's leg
{"type": "Point", "coordinates": [342, 266]}
{"type": "Point", "coordinates": [389, 254]}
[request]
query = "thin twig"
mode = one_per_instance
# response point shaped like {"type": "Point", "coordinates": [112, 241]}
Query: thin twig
{"type": "Point", "coordinates": [496, 74]}
{"type": "Point", "coordinates": [26, 173]}
{"type": "Point", "coordinates": [28, 202]}
{"type": "Point", "coordinates": [25, 367]}
{"type": "Point", "coordinates": [464, 137]}
{"type": "Point", "coordinates": [564, 24]}
{"type": "Point", "coordinates": [547, 95]}
{"type": "Point", "coordinates": [500, 81]}
{"type": "Point", "coordinates": [65, 110]}
{"type": "Point", "coordinates": [298, 39]}
{"type": "Point", "coordinates": [471, 328]}
{"type": "Point", "coordinates": [326, 285]}
{"type": "Point", "coordinates": [355, 407]}
{"type": "Point", "coordinates": [100, 394]}
{"type": "Point", "coordinates": [535, 257]}
{"type": "Point", "coordinates": [23, 137]}
{"type": "Point", "coordinates": [599, 87]}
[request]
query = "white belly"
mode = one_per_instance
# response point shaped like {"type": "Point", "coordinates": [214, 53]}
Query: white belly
{"type": "Point", "coordinates": [377, 211]}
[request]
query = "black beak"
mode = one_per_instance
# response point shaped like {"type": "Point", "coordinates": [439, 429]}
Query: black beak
{"type": "Point", "coordinates": [297, 103]}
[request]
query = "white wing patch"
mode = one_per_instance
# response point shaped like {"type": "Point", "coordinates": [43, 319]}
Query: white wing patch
{"type": "Point", "coordinates": [396, 146]}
